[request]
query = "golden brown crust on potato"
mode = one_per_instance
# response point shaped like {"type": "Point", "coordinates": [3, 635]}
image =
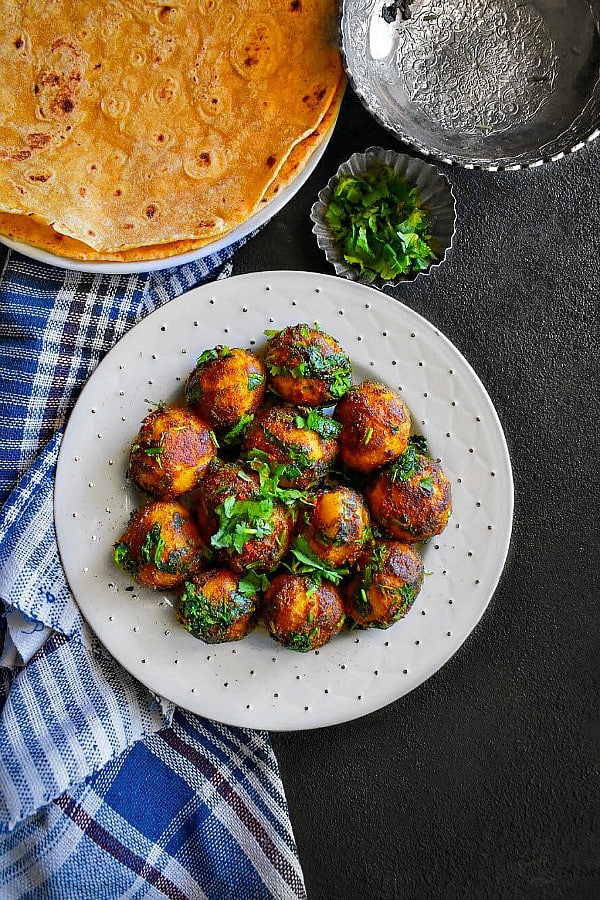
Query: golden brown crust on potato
{"type": "Point", "coordinates": [301, 614]}
{"type": "Point", "coordinates": [161, 545]}
{"type": "Point", "coordinates": [414, 508]}
{"type": "Point", "coordinates": [337, 525]}
{"type": "Point", "coordinates": [227, 385]}
{"type": "Point", "coordinates": [389, 577]}
{"type": "Point", "coordinates": [171, 452]}
{"type": "Point", "coordinates": [375, 426]}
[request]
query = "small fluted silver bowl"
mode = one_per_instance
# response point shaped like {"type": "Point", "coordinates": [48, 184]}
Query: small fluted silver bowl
{"type": "Point", "coordinates": [488, 84]}
{"type": "Point", "coordinates": [435, 194]}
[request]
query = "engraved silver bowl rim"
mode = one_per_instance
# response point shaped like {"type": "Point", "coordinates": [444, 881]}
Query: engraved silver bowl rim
{"type": "Point", "coordinates": [586, 137]}
{"type": "Point", "coordinates": [435, 191]}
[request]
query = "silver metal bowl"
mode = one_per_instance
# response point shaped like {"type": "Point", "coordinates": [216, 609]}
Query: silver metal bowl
{"type": "Point", "coordinates": [496, 84]}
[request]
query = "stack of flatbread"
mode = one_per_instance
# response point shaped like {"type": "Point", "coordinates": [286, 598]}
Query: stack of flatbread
{"type": "Point", "coordinates": [134, 130]}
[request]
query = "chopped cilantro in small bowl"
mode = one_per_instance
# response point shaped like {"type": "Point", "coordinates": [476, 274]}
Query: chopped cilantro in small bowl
{"type": "Point", "coordinates": [384, 217]}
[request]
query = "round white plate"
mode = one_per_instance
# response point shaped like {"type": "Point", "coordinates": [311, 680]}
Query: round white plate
{"type": "Point", "coordinates": [255, 682]}
{"type": "Point", "coordinates": [153, 265]}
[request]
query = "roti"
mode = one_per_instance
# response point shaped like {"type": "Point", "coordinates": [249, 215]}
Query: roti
{"type": "Point", "coordinates": [29, 229]}
{"type": "Point", "coordinates": [137, 127]}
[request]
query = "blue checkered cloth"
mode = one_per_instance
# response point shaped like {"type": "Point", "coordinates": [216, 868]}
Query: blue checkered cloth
{"type": "Point", "coordinates": [106, 791]}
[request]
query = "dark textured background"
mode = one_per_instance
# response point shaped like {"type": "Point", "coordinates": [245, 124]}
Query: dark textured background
{"type": "Point", "coordinates": [484, 782]}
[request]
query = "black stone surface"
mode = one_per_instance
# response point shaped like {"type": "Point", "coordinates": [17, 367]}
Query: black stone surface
{"type": "Point", "coordinates": [484, 782]}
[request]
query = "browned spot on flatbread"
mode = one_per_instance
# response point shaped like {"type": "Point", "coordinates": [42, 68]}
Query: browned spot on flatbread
{"type": "Point", "coordinates": [38, 139]}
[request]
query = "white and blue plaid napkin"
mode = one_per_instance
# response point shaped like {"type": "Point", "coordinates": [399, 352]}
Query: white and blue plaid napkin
{"type": "Point", "coordinates": [105, 791]}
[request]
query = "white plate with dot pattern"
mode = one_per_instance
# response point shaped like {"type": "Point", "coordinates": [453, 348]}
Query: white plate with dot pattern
{"type": "Point", "coordinates": [255, 682]}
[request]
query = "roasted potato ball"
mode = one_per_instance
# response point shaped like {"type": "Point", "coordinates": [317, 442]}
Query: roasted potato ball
{"type": "Point", "coordinates": [171, 452]}
{"type": "Point", "coordinates": [226, 387]}
{"type": "Point", "coordinates": [336, 525]}
{"type": "Point", "coordinates": [246, 529]}
{"type": "Point", "coordinates": [307, 366]}
{"type": "Point", "coordinates": [411, 499]}
{"type": "Point", "coordinates": [161, 546]}
{"type": "Point", "coordinates": [214, 609]}
{"type": "Point", "coordinates": [301, 443]}
{"type": "Point", "coordinates": [375, 426]}
{"type": "Point", "coordinates": [301, 614]}
{"type": "Point", "coordinates": [389, 577]}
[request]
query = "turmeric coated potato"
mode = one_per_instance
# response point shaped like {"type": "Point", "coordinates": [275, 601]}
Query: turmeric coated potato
{"type": "Point", "coordinates": [213, 607]}
{"type": "Point", "coordinates": [226, 387]}
{"type": "Point", "coordinates": [301, 614]}
{"type": "Point", "coordinates": [375, 426]}
{"type": "Point", "coordinates": [307, 366]}
{"type": "Point", "coordinates": [337, 525]}
{"type": "Point", "coordinates": [389, 577]}
{"type": "Point", "coordinates": [246, 529]}
{"type": "Point", "coordinates": [301, 443]}
{"type": "Point", "coordinates": [161, 546]}
{"type": "Point", "coordinates": [171, 452]}
{"type": "Point", "coordinates": [411, 499]}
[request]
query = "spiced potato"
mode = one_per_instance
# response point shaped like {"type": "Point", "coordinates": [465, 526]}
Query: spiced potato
{"type": "Point", "coordinates": [388, 579]}
{"type": "Point", "coordinates": [216, 606]}
{"type": "Point", "coordinates": [226, 387]}
{"type": "Point", "coordinates": [300, 613]}
{"type": "Point", "coordinates": [306, 366]}
{"type": "Point", "coordinates": [375, 426]}
{"type": "Point", "coordinates": [161, 545]}
{"type": "Point", "coordinates": [412, 499]}
{"type": "Point", "coordinates": [300, 443]}
{"type": "Point", "coordinates": [244, 528]}
{"type": "Point", "coordinates": [171, 452]}
{"type": "Point", "coordinates": [336, 525]}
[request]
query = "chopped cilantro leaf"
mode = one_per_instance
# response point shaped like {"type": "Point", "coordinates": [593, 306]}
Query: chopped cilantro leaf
{"type": "Point", "coordinates": [426, 485]}
{"type": "Point", "coordinates": [241, 521]}
{"type": "Point", "coordinates": [235, 434]}
{"type": "Point", "coordinates": [419, 442]}
{"type": "Point", "coordinates": [219, 352]}
{"type": "Point", "coordinates": [405, 466]}
{"type": "Point", "coordinates": [153, 546]}
{"type": "Point", "coordinates": [303, 641]}
{"type": "Point", "coordinates": [308, 563]}
{"type": "Point", "coordinates": [324, 425]}
{"type": "Point", "coordinates": [209, 620]}
{"type": "Point", "coordinates": [269, 474]}
{"type": "Point", "coordinates": [255, 379]}
{"type": "Point", "coordinates": [380, 225]}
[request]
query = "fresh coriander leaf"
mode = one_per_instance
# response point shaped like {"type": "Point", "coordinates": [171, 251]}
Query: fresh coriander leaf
{"type": "Point", "coordinates": [207, 356]}
{"type": "Point", "coordinates": [324, 425]}
{"type": "Point", "coordinates": [419, 442]}
{"type": "Point", "coordinates": [241, 521]}
{"type": "Point", "coordinates": [235, 434]}
{"type": "Point", "coordinates": [405, 466]}
{"type": "Point", "coordinates": [426, 485]}
{"type": "Point", "coordinates": [253, 583]}
{"type": "Point", "coordinates": [380, 225]}
{"type": "Point", "coordinates": [255, 379]}
{"type": "Point", "coordinates": [308, 563]}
